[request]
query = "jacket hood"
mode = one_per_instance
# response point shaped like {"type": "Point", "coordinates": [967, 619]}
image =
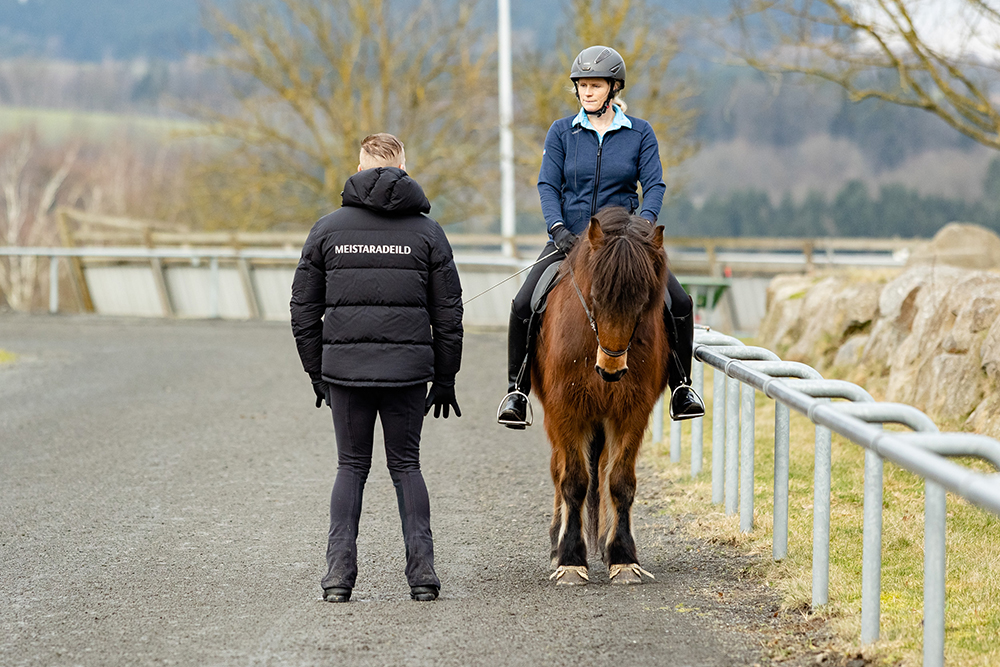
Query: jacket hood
{"type": "Point", "coordinates": [385, 190]}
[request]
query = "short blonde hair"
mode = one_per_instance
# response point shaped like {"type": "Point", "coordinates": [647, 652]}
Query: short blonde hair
{"type": "Point", "coordinates": [381, 150]}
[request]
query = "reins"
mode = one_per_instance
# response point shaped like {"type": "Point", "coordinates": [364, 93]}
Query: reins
{"type": "Point", "coordinates": [593, 323]}
{"type": "Point", "coordinates": [513, 275]}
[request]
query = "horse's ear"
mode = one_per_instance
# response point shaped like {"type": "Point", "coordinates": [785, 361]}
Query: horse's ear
{"type": "Point", "coordinates": [595, 234]}
{"type": "Point", "coordinates": [658, 236]}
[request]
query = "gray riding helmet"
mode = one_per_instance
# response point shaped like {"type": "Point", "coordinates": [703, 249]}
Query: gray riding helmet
{"type": "Point", "coordinates": [598, 62]}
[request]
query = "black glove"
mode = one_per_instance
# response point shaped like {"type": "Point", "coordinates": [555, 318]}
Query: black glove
{"type": "Point", "coordinates": [441, 395]}
{"type": "Point", "coordinates": [321, 389]}
{"type": "Point", "coordinates": [563, 238]}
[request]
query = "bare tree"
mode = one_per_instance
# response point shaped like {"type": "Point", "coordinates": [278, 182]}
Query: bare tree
{"type": "Point", "coordinates": [314, 77]}
{"type": "Point", "coordinates": [124, 176]}
{"type": "Point", "coordinates": [939, 57]}
{"type": "Point", "coordinates": [31, 181]}
{"type": "Point", "coordinates": [648, 43]}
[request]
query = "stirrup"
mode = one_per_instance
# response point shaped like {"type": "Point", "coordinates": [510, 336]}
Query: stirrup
{"type": "Point", "coordinates": [516, 423]}
{"type": "Point", "coordinates": [696, 402]}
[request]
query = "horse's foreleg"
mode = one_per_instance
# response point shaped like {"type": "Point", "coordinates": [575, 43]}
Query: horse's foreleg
{"type": "Point", "coordinates": [619, 544]}
{"type": "Point", "coordinates": [570, 463]}
{"type": "Point", "coordinates": [555, 527]}
{"type": "Point", "coordinates": [597, 458]}
{"type": "Point", "coordinates": [572, 548]}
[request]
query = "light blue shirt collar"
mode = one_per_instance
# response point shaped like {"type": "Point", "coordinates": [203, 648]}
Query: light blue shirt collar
{"type": "Point", "coordinates": [619, 121]}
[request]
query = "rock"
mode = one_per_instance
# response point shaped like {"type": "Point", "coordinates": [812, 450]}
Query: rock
{"type": "Point", "coordinates": [933, 329]}
{"type": "Point", "coordinates": [861, 303]}
{"type": "Point", "coordinates": [989, 352]}
{"type": "Point", "coordinates": [985, 419]}
{"type": "Point", "coordinates": [896, 302]}
{"type": "Point", "coordinates": [949, 386]}
{"type": "Point", "coordinates": [932, 315]}
{"type": "Point", "coordinates": [784, 304]}
{"type": "Point", "coordinates": [833, 310]}
{"type": "Point", "coordinates": [960, 244]}
{"type": "Point", "coordinates": [850, 352]}
{"type": "Point", "coordinates": [976, 303]}
{"type": "Point", "coordinates": [914, 339]}
{"type": "Point", "coordinates": [897, 308]}
{"type": "Point", "coordinates": [816, 314]}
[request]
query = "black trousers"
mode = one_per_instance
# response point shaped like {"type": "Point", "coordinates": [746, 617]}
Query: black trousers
{"type": "Point", "coordinates": [401, 410]}
{"type": "Point", "coordinates": [677, 300]}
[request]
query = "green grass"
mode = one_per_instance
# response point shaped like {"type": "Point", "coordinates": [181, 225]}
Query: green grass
{"type": "Point", "coordinates": [58, 125]}
{"type": "Point", "coordinates": [972, 629]}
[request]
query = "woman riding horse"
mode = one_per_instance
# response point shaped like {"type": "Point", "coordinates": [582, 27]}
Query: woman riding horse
{"type": "Point", "coordinates": [612, 280]}
{"type": "Point", "coordinates": [593, 160]}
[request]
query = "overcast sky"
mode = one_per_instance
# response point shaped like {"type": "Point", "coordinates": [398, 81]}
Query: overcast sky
{"type": "Point", "coordinates": [955, 27]}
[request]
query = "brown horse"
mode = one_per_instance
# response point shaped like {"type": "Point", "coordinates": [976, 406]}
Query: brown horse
{"type": "Point", "coordinates": [605, 315]}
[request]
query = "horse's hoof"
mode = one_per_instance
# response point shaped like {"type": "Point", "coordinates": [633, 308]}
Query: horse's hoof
{"type": "Point", "coordinates": [571, 575]}
{"type": "Point", "coordinates": [627, 574]}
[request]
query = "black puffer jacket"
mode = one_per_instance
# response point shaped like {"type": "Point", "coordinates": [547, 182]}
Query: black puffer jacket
{"type": "Point", "coordinates": [376, 300]}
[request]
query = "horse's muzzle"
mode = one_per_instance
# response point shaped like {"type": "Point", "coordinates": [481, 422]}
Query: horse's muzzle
{"type": "Point", "coordinates": [611, 377]}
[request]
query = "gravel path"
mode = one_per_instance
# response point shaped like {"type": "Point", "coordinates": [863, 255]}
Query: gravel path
{"type": "Point", "coordinates": [163, 500]}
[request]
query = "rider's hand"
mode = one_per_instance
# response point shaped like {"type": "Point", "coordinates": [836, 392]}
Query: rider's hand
{"type": "Point", "coordinates": [563, 238]}
{"type": "Point", "coordinates": [321, 389]}
{"type": "Point", "coordinates": [442, 395]}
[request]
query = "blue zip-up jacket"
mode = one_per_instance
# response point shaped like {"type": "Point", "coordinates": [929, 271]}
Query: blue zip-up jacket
{"type": "Point", "coordinates": [628, 157]}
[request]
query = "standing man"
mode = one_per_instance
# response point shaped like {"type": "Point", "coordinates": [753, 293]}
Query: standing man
{"type": "Point", "coordinates": [377, 314]}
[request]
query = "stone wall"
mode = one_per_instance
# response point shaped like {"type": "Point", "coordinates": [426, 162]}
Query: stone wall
{"type": "Point", "coordinates": [928, 335]}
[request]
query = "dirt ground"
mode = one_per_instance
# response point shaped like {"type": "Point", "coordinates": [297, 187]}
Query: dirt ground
{"type": "Point", "coordinates": [164, 495]}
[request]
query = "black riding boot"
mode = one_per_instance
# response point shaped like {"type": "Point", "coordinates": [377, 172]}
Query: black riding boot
{"type": "Point", "coordinates": [685, 403]}
{"type": "Point", "coordinates": [514, 408]}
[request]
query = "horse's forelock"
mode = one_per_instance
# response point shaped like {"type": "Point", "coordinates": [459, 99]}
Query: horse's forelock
{"type": "Point", "coordinates": [628, 268]}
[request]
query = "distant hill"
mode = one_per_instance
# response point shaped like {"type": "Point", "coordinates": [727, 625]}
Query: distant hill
{"type": "Point", "coordinates": [94, 30]}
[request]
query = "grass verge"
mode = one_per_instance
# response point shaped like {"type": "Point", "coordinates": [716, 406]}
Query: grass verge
{"type": "Point", "coordinates": [57, 125]}
{"type": "Point", "coordinates": [972, 612]}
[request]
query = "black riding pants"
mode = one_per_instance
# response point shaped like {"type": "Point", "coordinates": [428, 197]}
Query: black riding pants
{"type": "Point", "coordinates": [677, 300]}
{"type": "Point", "coordinates": [401, 410]}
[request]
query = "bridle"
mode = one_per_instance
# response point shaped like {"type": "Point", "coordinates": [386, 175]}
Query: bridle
{"type": "Point", "coordinates": [593, 323]}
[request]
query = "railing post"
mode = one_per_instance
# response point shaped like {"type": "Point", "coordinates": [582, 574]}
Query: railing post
{"type": "Point", "coordinates": [162, 290]}
{"type": "Point", "coordinates": [921, 453]}
{"type": "Point", "coordinates": [53, 284]}
{"type": "Point", "coordinates": [246, 277]}
{"type": "Point", "coordinates": [821, 516]}
{"type": "Point", "coordinates": [782, 456]}
{"type": "Point", "coordinates": [658, 421]}
{"type": "Point", "coordinates": [871, 554]}
{"type": "Point", "coordinates": [732, 444]}
{"type": "Point", "coordinates": [935, 513]}
{"type": "Point", "coordinates": [675, 441]}
{"type": "Point", "coordinates": [718, 434]}
{"type": "Point", "coordinates": [698, 424]}
{"type": "Point", "coordinates": [747, 436]}
{"type": "Point", "coordinates": [213, 287]}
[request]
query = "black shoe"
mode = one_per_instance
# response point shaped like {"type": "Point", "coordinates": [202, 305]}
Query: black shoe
{"type": "Point", "coordinates": [423, 593]}
{"type": "Point", "coordinates": [515, 411]}
{"type": "Point", "coordinates": [515, 408]}
{"type": "Point", "coordinates": [337, 594]}
{"type": "Point", "coordinates": [685, 403]}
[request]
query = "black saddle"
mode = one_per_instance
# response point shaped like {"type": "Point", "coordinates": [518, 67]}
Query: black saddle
{"type": "Point", "coordinates": [550, 278]}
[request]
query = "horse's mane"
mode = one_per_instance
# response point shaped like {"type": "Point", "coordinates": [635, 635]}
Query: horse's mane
{"type": "Point", "coordinates": [628, 269]}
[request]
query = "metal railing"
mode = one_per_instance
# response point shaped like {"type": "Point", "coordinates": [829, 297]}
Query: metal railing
{"type": "Point", "coordinates": [739, 372]}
